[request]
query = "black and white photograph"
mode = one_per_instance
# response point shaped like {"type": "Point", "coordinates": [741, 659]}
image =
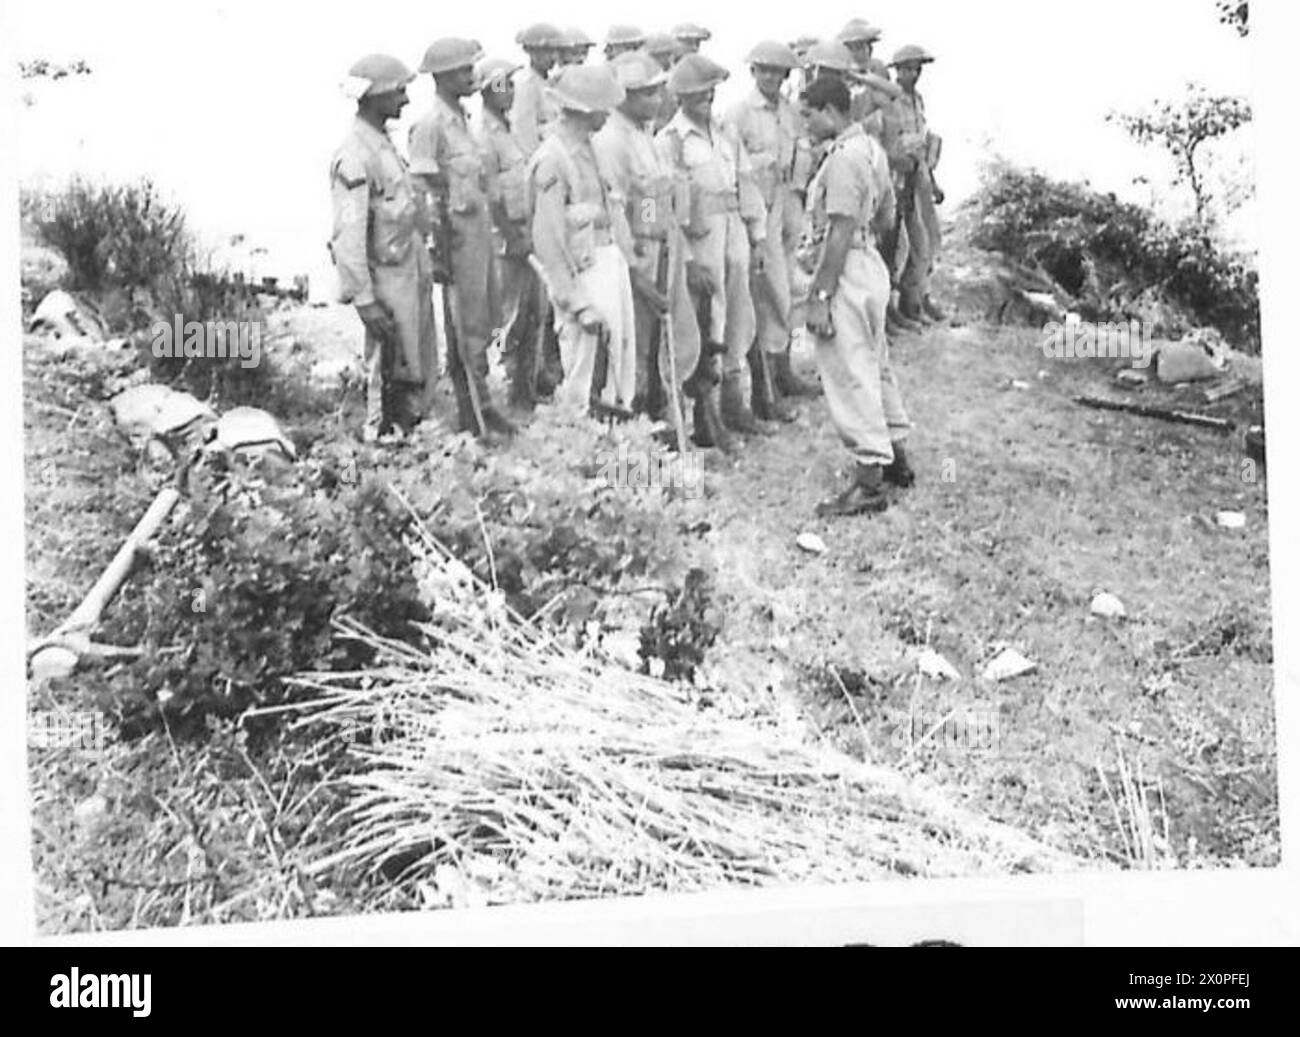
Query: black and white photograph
{"type": "Point", "coordinates": [528, 458]}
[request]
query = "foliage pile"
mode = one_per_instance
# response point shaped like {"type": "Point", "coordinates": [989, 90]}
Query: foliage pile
{"type": "Point", "coordinates": [1114, 257]}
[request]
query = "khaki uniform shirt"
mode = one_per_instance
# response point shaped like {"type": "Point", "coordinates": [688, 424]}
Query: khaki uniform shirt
{"type": "Point", "coordinates": [574, 212]}
{"type": "Point", "coordinates": [441, 141]}
{"type": "Point", "coordinates": [534, 111]}
{"type": "Point", "coordinates": [770, 134]}
{"type": "Point", "coordinates": [855, 181]}
{"type": "Point", "coordinates": [375, 211]}
{"type": "Point", "coordinates": [717, 171]}
{"type": "Point", "coordinates": [505, 166]}
{"type": "Point", "coordinates": [639, 177]}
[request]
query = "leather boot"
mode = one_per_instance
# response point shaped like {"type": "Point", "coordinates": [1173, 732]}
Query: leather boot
{"type": "Point", "coordinates": [786, 381]}
{"type": "Point", "coordinates": [766, 404]}
{"type": "Point", "coordinates": [899, 472]}
{"type": "Point", "coordinates": [865, 495]}
{"type": "Point", "coordinates": [709, 430]}
{"type": "Point", "coordinates": [735, 414]}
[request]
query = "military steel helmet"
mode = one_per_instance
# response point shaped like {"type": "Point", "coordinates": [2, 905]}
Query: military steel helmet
{"type": "Point", "coordinates": [625, 34]}
{"type": "Point", "coordinates": [691, 31]}
{"type": "Point", "coordinates": [491, 70]}
{"type": "Point", "coordinates": [636, 70]}
{"type": "Point", "coordinates": [660, 43]}
{"type": "Point", "coordinates": [912, 54]}
{"type": "Point", "coordinates": [771, 52]}
{"type": "Point", "coordinates": [587, 88]}
{"type": "Point", "coordinates": [449, 54]}
{"type": "Point", "coordinates": [575, 37]}
{"type": "Point", "coordinates": [381, 73]}
{"type": "Point", "coordinates": [859, 30]}
{"type": "Point", "coordinates": [801, 45]}
{"type": "Point", "coordinates": [540, 35]}
{"type": "Point", "coordinates": [829, 54]}
{"type": "Point", "coordinates": [694, 74]}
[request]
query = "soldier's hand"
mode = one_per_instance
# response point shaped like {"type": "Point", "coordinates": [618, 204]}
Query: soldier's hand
{"type": "Point", "coordinates": [757, 261]}
{"type": "Point", "coordinates": [591, 321]}
{"type": "Point", "coordinates": [518, 241]}
{"type": "Point", "coordinates": [937, 193]}
{"type": "Point", "coordinates": [819, 319]}
{"type": "Point", "coordinates": [378, 320]}
{"type": "Point", "coordinates": [700, 279]}
{"type": "Point", "coordinates": [649, 291]}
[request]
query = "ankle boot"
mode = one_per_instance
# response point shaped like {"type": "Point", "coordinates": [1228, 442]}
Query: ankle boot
{"type": "Point", "coordinates": [767, 406]}
{"type": "Point", "coordinates": [865, 495]}
{"type": "Point", "coordinates": [899, 472]}
{"type": "Point", "coordinates": [735, 414]}
{"type": "Point", "coordinates": [709, 430]}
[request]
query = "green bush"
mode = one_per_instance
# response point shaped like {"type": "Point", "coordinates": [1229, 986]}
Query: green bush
{"type": "Point", "coordinates": [242, 595]}
{"type": "Point", "coordinates": [1106, 252]}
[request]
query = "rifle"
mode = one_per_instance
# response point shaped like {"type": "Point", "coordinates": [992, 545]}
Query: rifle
{"type": "Point", "coordinates": [443, 274]}
{"type": "Point", "coordinates": [889, 247]}
{"type": "Point", "coordinates": [387, 390]}
{"type": "Point", "coordinates": [664, 341]}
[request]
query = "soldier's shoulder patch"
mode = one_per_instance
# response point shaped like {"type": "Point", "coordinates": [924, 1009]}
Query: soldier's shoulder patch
{"type": "Point", "coordinates": [349, 170]}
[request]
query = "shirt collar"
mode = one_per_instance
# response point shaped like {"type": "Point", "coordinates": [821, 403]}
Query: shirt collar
{"type": "Point", "coordinates": [757, 100]}
{"type": "Point", "coordinates": [685, 126]}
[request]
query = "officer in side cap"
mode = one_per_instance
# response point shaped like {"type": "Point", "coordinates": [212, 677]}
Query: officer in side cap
{"type": "Point", "coordinates": [917, 155]}
{"type": "Point", "coordinates": [850, 203]}
{"type": "Point", "coordinates": [378, 250]}
{"type": "Point", "coordinates": [446, 157]}
{"type": "Point", "coordinates": [533, 110]}
{"type": "Point", "coordinates": [581, 242]}
{"type": "Point", "coordinates": [725, 229]}
{"type": "Point", "coordinates": [622, 38]}
{"type": "Point", "coordinates": [690, 36]}
{"type": "Point", "coordinates": [516, 303]}
{"type": "Point", "coordinates": [771, 131]}
{"type": "Point", "coordinates": [644, 184]}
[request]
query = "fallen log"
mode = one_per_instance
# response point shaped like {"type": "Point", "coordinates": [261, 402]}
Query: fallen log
{"type": "Point", "coordinates": [1182, 417]}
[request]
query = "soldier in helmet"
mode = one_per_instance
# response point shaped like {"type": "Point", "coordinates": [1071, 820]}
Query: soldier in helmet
{"type": "Point", "coordinates": [644, 185]}
{"type": "Point", "coordinates": [725, 229]}
{"type": "Point", "coordinates": [850, 203]}
{"type": "Point", "coordinates": [515, 289]}
{"type": "Point", "coordinates": [580, 239]}
{"type": "Point", "coordinates": [690, 36]}
{"type": "Point", "coordinates": [577, 46]}
{"type": "Point", "coordinates": [533, 111]}
{"type": "Point", "coordinates": [771, 131]}
{"type": "Point", "coordinates": [917, 155]}
{"type": "Point", "coordinates": [446, 157]}
{"type": "Point", "coordinates": [622, 38]}
{"type": "Point", "coordinates": [378, 250]}
{"type": "Point", "coordinates": [665, 50]}
{"type": "Point", "coordinates": [860, 36]}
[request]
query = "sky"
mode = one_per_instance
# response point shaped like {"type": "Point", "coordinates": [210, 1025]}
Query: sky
{"type": "Point", "coordinates": [234, 108]}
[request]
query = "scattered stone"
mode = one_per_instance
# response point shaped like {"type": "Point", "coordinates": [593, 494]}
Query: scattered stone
{"type": "Point", "coordinates": [1230, 520]}
{"type": "Point", "coordinates": [250, 430]}
{"type": "Point", "coordinates": [1128, 376]}
{"type": "Point", "coordinates": [65, 315]}
{"type": "Point", "coordinates": [934, 666]}
{"type": "Point", "coordinates": [1007, 665]}
{"type": "Point", "coordinates": [156, 410]}
{"type": "Point", "coordinates": [91, 810]}
{"type": "Point", "coordinates": [53, 662]}
{"type": "Point", "coordinates": [811, 543]}
{"type": "Point", "coordinates": [1196, 358]}
{"type": "Point", "coordinates": [1108, 606]}
{"type": "Point", "coordinates": [1016, 383]}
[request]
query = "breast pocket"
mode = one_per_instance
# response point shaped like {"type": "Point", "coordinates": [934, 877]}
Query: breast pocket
{"type": "Point", "coordinates": [464, 183]}
{"type": "Point", "coordinates": [514, 193]}
{"type": "Point", "coordinates": [393, 224]}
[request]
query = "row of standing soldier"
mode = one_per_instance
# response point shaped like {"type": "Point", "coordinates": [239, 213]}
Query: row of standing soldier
{"type": "Point", "coordinates": [630, 249]}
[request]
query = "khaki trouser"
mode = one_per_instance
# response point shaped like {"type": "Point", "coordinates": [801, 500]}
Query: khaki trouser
{"type": "Point", "coordinates": [471, 271]}
{"type": "Point", "coordinates": [923, 240]}
{"type": "Point", "coordinates": [683, 328]}
{"type": "Point", "coordinates": [724, 251]}
{"type": "Point", "coordinates": [407, 291]}
{"type": "Point", "coordinates": [861, 391]}
{"type": "Point", "coordinates": [772, 299]}
{"type": "Point", "coordinates": [605, 284]}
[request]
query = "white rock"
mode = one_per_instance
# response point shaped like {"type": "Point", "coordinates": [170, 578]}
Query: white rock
{"type": "Point", "coordinates": [933, 665]}
{"type": "Point", "coordinates": [1108, 605]}
{"type": "Point", "coordinates": [251, 429]}
{"type": "Point", "coordinates": [64, 314]}
{"type": "Point", "coordinates": [1007, 665]}
{"type": "Point", "coordinates": [91, 810]}
{"type": "Point", "coordinates": [157, 410]}
{"type": "Point", "coordinates": [51, 662]}
{"type": "Point", "coordinates": [1231, 520]}
{"type": "Point", "coordinates": [811, 543]}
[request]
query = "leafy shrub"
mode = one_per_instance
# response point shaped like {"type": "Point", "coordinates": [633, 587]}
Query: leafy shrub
{"type": "Point", "coordinates": [242, 594]}
{"type": "Point", "coordinates": [1107, 253]}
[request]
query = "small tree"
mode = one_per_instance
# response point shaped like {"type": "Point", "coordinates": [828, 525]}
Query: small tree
{"type": "Point", "coordinates": [1182, 128]}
